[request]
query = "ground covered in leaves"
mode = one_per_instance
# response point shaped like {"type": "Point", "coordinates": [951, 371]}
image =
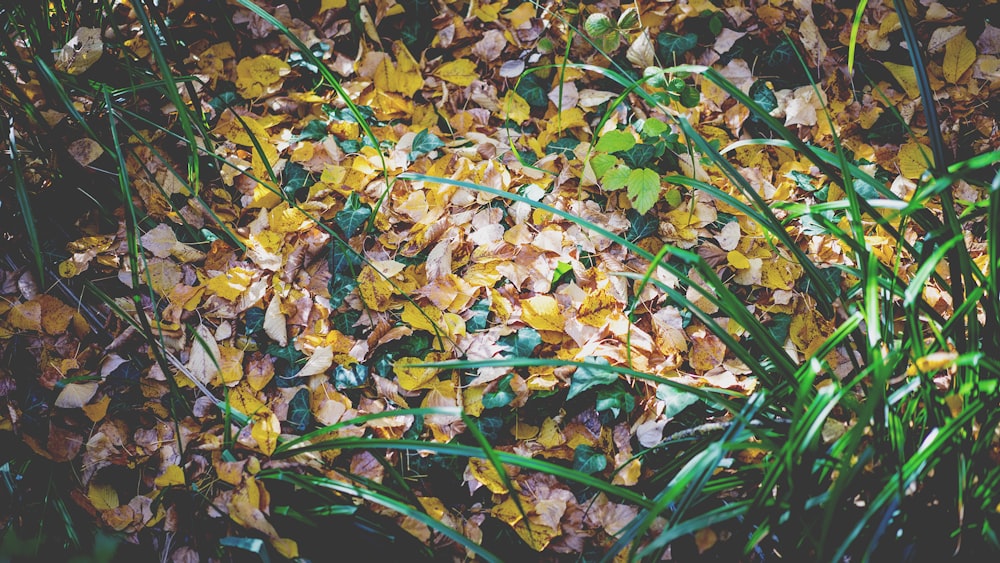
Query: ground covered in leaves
{"type": "Point", "coordinates": [300, 279]}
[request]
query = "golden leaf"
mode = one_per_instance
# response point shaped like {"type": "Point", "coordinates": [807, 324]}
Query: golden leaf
{"type": "Point", "coordinates": [541, 312]}
{"type": "Point", "coordinates": [461, 72]}
{"type": "Point", "coordinates": [906, 78]}
{"type": "Point", "coordinates": [487, 474]}
{"type": "Point", "coordinates": [265, 430]}
{"type": "Point", "coordinates": [959, 55]}
{"type": "Point", "coordinates": [914, 159]}
{"type": "Point", "coordinates": [172, 475]}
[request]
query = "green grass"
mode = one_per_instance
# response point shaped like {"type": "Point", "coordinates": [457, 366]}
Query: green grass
{"type": "Point", "coordinates": [911, 466]}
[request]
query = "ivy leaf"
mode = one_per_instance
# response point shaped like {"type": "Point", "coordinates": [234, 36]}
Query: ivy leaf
{"type": "Point", "coordinates": [522, 343]}
{"type": "Point", "coordinates": [615, 399]}
{"type": "Point", "coordinates": [298, 411]}
{"type": "Point", "coordinates": [590, 376]}
{"type": "Point", "coordinates": [675, 400]}
{"type": "Point", "coordinates": [643, 189]}
{"type": "Point", "coordinates": [480, 312]}
{"type": "Point", "coordinates": [670, 46]}
{"type": "Point", "coordinates": [295, 177]}
{"type": "Point", "coordinates": [315, 130]}
{"type": "Point", "coordinates": [533, 90]}
{"type": "Point", "coordinates": [502, 396]}
{"type": "Point", "coordinates": [588, 460]}
{"type": "Point", "coordinates": [690, 96]}
{"type": "Point", "coordinates": [641, 155]}
{"type": "Point", "coordinates": [763, 95]}
{"type": "Point", "coordinates": [778, 327]}
{"type": "Point", "coordinates": [565, 146]}
{"type": "Point", "coordinates": [353, 216]}
{"type": "Point", "coordinates": [424, 143]}
{"type": "Point", "coordinates": [641, 226]}
{"type": "Point", "coordinates": [347, 378]}
{"type": "Point", "coordinates": [614, 141]}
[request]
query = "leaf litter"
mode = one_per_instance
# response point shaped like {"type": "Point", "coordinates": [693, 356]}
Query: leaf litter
{"type": "Point", "coordinates": [338, 281]}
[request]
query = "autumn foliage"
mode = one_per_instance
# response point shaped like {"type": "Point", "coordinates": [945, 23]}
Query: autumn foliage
{"type": "Point", "coordinates": [489, 280]}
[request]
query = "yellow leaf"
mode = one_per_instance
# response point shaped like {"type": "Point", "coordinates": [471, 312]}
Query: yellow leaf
{"type": "Point", "coordinates": [737, 259]}
{"type": "Point", "coordinates": [433, 506]}
{"type": "Point", "coordinates": [485, 473]}
{"type": "Point", "coordinates": [287, 548]}
{"type": "Point", "coordinates": [550, 435]}
{"type": "Point", "coordinates": [231, 284]}
{"type": "Point", "coordinates": [375, 290]}
{"type": "Point", "coordinates": [103, 496]}
{"type": "Point", "coordinates": [705, 539]}
{"type": "Point", "coordinates": [914, 159]}
{"type": "Point", "coordinates": [256, 76]}
{"type": "Point", "coordinates": [936, 361]}
{"type": "Point", "coordinates": [265, 430]}
{"type": "Point", "coordinates": [172, 475]}
{"type": "Point", "coordinates": [331, 5]}
{"type": "Point", "coordinates": [489, 12]}
{"type": "Point", "coordinates": [460, 72]}
{"type": "Point", "coordinates": [26, 316]}
{"type": "Point", "coordinates": [413, 378]}
{"type": "Point", "coordinates": [959, 55]}
{"type": "Point", "coordinates": [541, 312]}
{"type": "Point", "coordinates": [97, 411]}
{"type": "Point", "coordinates": [515, 107]}
{"type": "Point", "coordinates": [231, 364]}
{"type": "Point", "coordinates": [906, 77]}
{"type": "Point", "coordinates": [408, 79]}
{"type": "Point", "coordinates": [596, 308]}
{"type": "Point", "coordinates": [507, 511]}
{"type": "Point", "coordinates": [538, 537]}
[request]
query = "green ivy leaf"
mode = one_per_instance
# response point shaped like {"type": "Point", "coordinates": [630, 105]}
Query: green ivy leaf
{"type": "Point", "coordinates": [564, 146]}
{"type": "Point", "coordinates": [641, 155]}
{"type": "Point", "coordinates": [779, 326]}
{"type": "Point", "coordinates": [533, 90]}
{"type": "Point", "coordinates": [590, 376]}
{"type": "Point", "coordinates": [315, 130]}
{"type": "Point", "coordinates": [347, 378]}
{"type": "Point", "coordinates": [588, 460]}
{"type": "Point", "coordinates": [675, 400]}
{"type": "Point", "coordinates": [423, 143]}
{"type": "Point", "coordinates": [615, 399]}
{"type": "Point", "coordinates": [562, 268]}
{"type": "Point", "coordinates": [643, 189]}
{"type": "Point", "coordinates": [480, 313]}
{"type": "Point", "coordinates": [298, 411]}
{"type": "Point", "coordinates": [502, 396]}
{"type": "Point", "coordinates": [614, 141]}
{"type": "Point", "coordinates": [353, 216]}
{"type": "Point", "coordinates": [690, 96]}
{"type": "Point", "coordinates": [763, 96]}
{"type": "Point", "coordinates": [670, 46]}
{"type": "Point", "coordinates": [522, 343]}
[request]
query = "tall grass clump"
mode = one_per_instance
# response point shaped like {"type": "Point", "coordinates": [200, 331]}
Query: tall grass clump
{"type": "Point", "coordinates": [893, 456]}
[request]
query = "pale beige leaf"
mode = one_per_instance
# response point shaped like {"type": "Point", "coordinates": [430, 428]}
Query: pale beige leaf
{"type": "Point", "coordinates": [274, 322]}
{"type": "Point", "coordinates": [641, 52]}
{"type": "Point", "coordinates": [204, 360]}
{"type": "Point", "coordinates": [75, 395]}
{"type": "Point", "coordinates": [319, 362]}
